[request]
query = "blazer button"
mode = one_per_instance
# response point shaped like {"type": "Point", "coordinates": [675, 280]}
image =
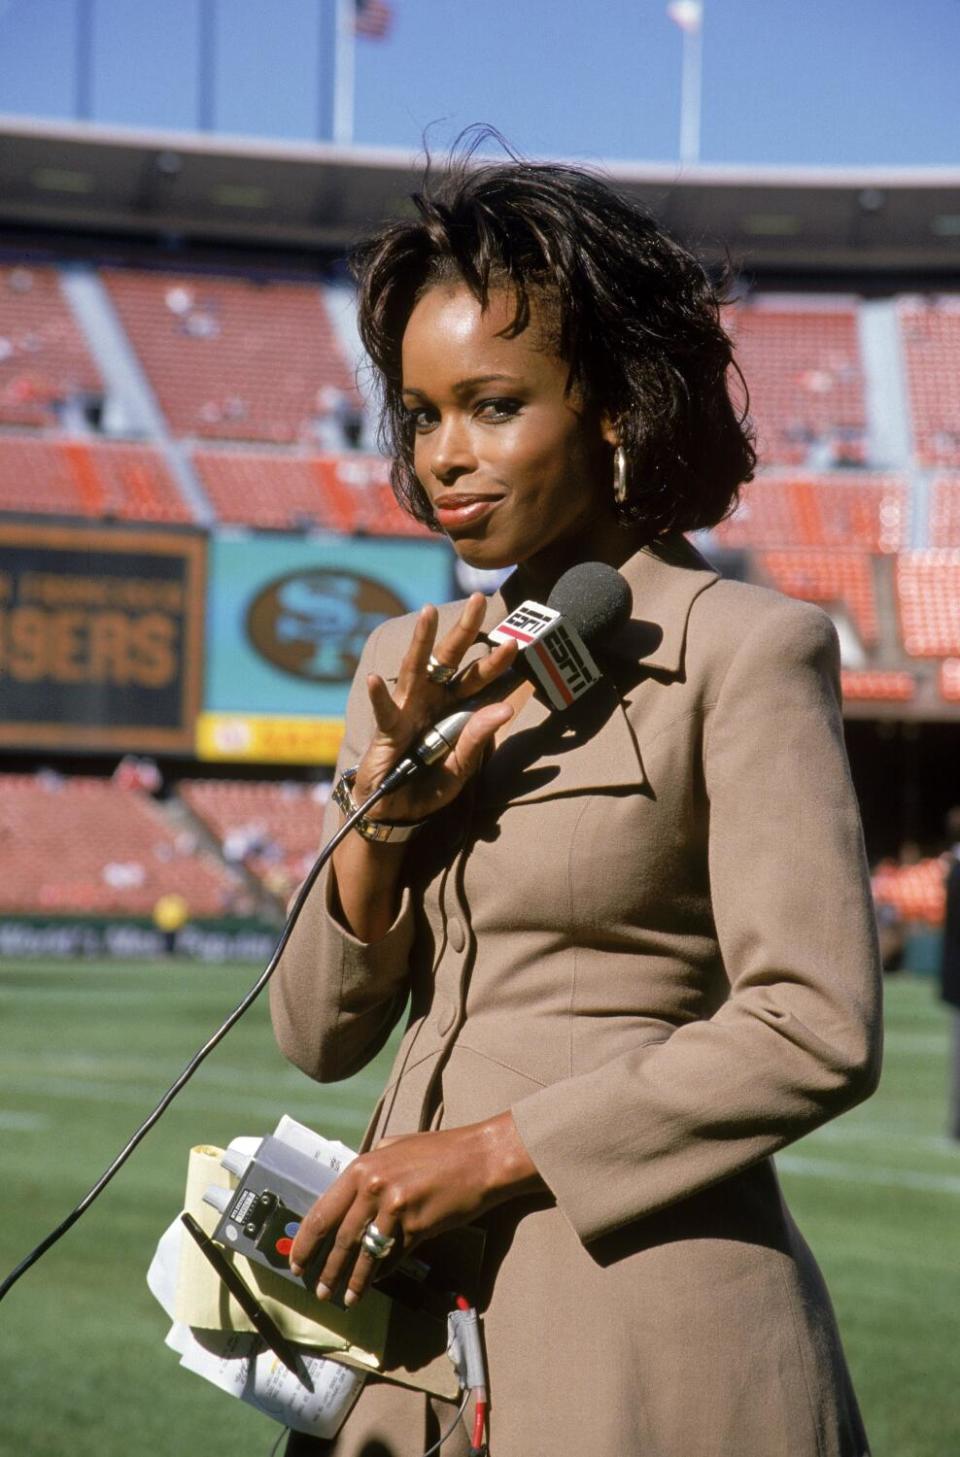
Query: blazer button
{"type": "Point", "coordinates": [456, 934]}
{"type": "Point", "coordinates": [446, 1016]}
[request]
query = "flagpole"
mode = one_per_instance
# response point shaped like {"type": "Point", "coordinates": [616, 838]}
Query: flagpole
{"type": "Point", "coordinates": [344, 72]}
{"type": "Point", "coordinates": [690, 92]}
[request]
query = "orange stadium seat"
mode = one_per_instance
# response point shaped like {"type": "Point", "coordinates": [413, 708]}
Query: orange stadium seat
{"type": "Point", "coordinates": [877, 686]}
{"type": "Point", "coordinates": [827, 577]}
{"type": "Point", "coordinates": [928, 601]}
{"type": "Point", "coordinates": [950, 680]}
{"type": "Point", "coordinates": [945, 512]}
{"type": "Point", "coordinates": [930, 329]}
{"type": "Point", "coordinates": [234, 358]}
{"type": "Point", "coordinates": [819, 510]}
{"type": "Point", "coordinates": [915, 891]}
{"type": "Point", "coordinates": [802, 366]}
{"type": "Point", "coordinates": [43, 357]}
{"type": "Point", "coordinates": [101, 479]}
{"type": "Point", "coordinates": [282, 491]}
{"type": "Point", "coordinates": [272, 829]}
{"type": "Point", "coordinates": [123, 854]}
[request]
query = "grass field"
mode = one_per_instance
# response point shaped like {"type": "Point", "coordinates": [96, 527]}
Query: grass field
{"type": "Point", "coordinates": [85, 1051]}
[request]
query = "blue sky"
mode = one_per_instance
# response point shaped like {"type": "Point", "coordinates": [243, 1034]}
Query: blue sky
{"type": "Point", "coordinates": [835, 82]}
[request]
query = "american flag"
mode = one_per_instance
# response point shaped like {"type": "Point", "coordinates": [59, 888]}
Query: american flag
{"type": "Point", "coordinates": [373, 18]}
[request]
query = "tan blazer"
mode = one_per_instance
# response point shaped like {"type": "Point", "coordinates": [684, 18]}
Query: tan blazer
{"type": "Point", "coordinates": [647, 929]}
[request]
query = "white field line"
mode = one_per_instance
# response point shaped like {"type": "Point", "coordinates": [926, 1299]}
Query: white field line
{"type": "Point", "coordinates": [884, 1133]}
{"type": "Point", "coordinates": [112, 997]}
{"type": "Point", "coordinates": [13, 1122]}
{"type": "Point", "coordinates": [317, 1111]}
{"type": "Point", "coordinates": [926, 1042]}
{"type": "Point", "coordinates": [850, 1173]}
{"type": "Point", "coordinates": [131, 1071]}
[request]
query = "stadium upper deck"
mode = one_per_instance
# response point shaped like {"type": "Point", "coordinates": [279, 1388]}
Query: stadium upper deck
{"type": "Point", "coordinates": [221, 391]}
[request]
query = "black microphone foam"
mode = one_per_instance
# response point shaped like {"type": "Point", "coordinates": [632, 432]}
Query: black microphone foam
{"type": "Point", "coordinates": [594, 598]}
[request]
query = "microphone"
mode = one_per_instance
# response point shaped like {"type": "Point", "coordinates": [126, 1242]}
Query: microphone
{"type": "Point", "coordinates": [589, 602]}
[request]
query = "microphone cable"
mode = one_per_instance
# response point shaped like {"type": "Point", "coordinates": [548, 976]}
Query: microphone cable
{"type": "Point", "coordinates": [595, 599]}
{"type": "Point", "coordinates": [231, 1019]}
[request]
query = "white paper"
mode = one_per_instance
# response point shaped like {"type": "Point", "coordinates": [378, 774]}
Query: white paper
{"type": "Point", "coordinates": [329, 1152]}
{"type": "Point", "coordinates": [238, 1362]}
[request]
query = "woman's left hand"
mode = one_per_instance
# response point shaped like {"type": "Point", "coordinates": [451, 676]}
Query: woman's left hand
{"type": "Point", "coordinates": [411, 1188]}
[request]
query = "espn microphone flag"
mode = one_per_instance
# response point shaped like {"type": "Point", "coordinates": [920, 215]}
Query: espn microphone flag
{"type": "Point", "coordinates": [372, 19]}
{"type": "Point", "coordinates": [688, 14]}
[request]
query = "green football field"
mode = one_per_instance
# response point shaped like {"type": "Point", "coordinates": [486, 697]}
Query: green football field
{"type": "Point", "coordinates": [86, 1050]}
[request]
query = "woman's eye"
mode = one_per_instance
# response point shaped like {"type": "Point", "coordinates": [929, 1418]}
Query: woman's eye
{"type": "Point", "coordinates": [499, 409]}
{"type": "Point", "coordinates": [421, 419]}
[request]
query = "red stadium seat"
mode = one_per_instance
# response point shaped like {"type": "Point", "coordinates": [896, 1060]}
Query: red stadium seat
{"type": "Point", "coordinates": [930, 329]}
{"type": "Point", "coordinates": [272, 829]}
{"type": "Point", "coordinates": [877, 686]}
{"type": "Point", "coordinates": [98, 479]}
{"type": "Point", "coordinates": [928, 601]}
{"type": "Point", "coordinates": [950, 680]}
{"type": "Point", "coordinates": [945, 511]}
{"type": "Point", "coordinates": [869, 512]}
{"type": "Point", "coordinates": [234, 358]}
{"type": "Point", "coordinates": [915, 891]}
{"type": "Point", "coordinates": [44, 359]}
{"type": "Point", "coordinates": [123, 853]}
{"type": "Point", "coordinates": [801, 362]}
{"type": "Point", "coordinates": [827, 577]}
{"type": "Point", "coordinates": [281, 491]}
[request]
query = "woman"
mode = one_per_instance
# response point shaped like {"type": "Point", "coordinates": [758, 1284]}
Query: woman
{"type": "Point", "coordinates": [637, 939]}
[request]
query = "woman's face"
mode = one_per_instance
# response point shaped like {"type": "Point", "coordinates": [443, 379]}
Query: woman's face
{"type": "Point", "coordinates": [517, 469]}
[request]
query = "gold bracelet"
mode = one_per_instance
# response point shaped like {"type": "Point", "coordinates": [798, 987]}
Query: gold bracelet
{"type": "Point", "coordinates": [376, 831]}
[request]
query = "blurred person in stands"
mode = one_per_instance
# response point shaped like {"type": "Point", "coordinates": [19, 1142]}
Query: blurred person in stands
{"type": "Point", "coordinates": [636, 940]}
{"type": "Point", "coordinates": [950, 964]}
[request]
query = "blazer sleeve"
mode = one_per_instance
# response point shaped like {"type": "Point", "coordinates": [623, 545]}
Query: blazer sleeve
{"type": "Point", "coordinates": [334, 999]}
{"type": "Point", "coordinates": [798, 1038]}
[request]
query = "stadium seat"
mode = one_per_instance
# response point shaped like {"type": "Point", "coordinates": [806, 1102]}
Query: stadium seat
{"type": "Point", "coordinates": [44, 360]}
{"type": "Point", "coordinates": [930, 330]}
{"type": "Point", "coordinates": [950, 680]}
{"type": "Point", "coordinates": [235, 358]}
{"type": "Point", "coordinates": [123, 853]}
{"type": "Point", "coordinates": [99, 479]}
{"type": "Point", "coordinates": [271, 829]}
{"type": "Point", "coordinates": [916, 892]}
{"type": "Point", "coordinates": [945, 511]}
{"type": "Point", "coordinates": [801, 362]}
{"type": "Point", "coordinates": [819, 510]}
{"type": "Point", "coordinates": [928, 602]}
{"type": "Point", "coordinates": [829, 577]}
{"type": "Point", "coordinates": [887, 686]}
{"type": "Point", "coordinates": [278, 490]}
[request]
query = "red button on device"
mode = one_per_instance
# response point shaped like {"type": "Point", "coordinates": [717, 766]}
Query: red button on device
{"type": "Point", "coordinates": [283, 1246]}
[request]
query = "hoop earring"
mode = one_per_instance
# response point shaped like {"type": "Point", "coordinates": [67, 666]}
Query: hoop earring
{"type": "Point", "coordinates": [620, 483]}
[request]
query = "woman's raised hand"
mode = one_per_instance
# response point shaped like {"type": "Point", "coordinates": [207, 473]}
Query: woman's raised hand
{"type": "Point", "coordinates": [417, 701]}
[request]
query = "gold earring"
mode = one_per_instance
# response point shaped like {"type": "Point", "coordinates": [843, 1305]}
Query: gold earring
{"type": "Point", "coordinates": [620, 484]}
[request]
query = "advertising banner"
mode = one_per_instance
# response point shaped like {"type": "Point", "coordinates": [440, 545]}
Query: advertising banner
{"type": "Point", "coordinates": [286, 623]}
{"type": "Point", "coordinates": [101, 637]}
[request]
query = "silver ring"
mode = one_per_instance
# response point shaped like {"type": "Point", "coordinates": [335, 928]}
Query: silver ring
{"type": "Point", "coordinates": [439, 672]}
{"type": "Point", "coordinates": [377, 1245]}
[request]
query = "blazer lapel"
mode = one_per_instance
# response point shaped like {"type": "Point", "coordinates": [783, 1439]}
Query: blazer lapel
{"type": "Point", "coordinates": [592, 745]}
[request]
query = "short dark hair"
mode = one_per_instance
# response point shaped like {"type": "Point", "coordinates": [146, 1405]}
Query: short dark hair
{"type": "Point", "coordinates": [638, 324]}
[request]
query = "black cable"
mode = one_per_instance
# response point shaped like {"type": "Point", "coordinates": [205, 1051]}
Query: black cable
{"type": "Point", "coordinates": [55, 1234]}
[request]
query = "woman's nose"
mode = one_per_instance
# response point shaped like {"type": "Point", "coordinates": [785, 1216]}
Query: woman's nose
{"type": "Point", "coordinates": [452, 451]}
